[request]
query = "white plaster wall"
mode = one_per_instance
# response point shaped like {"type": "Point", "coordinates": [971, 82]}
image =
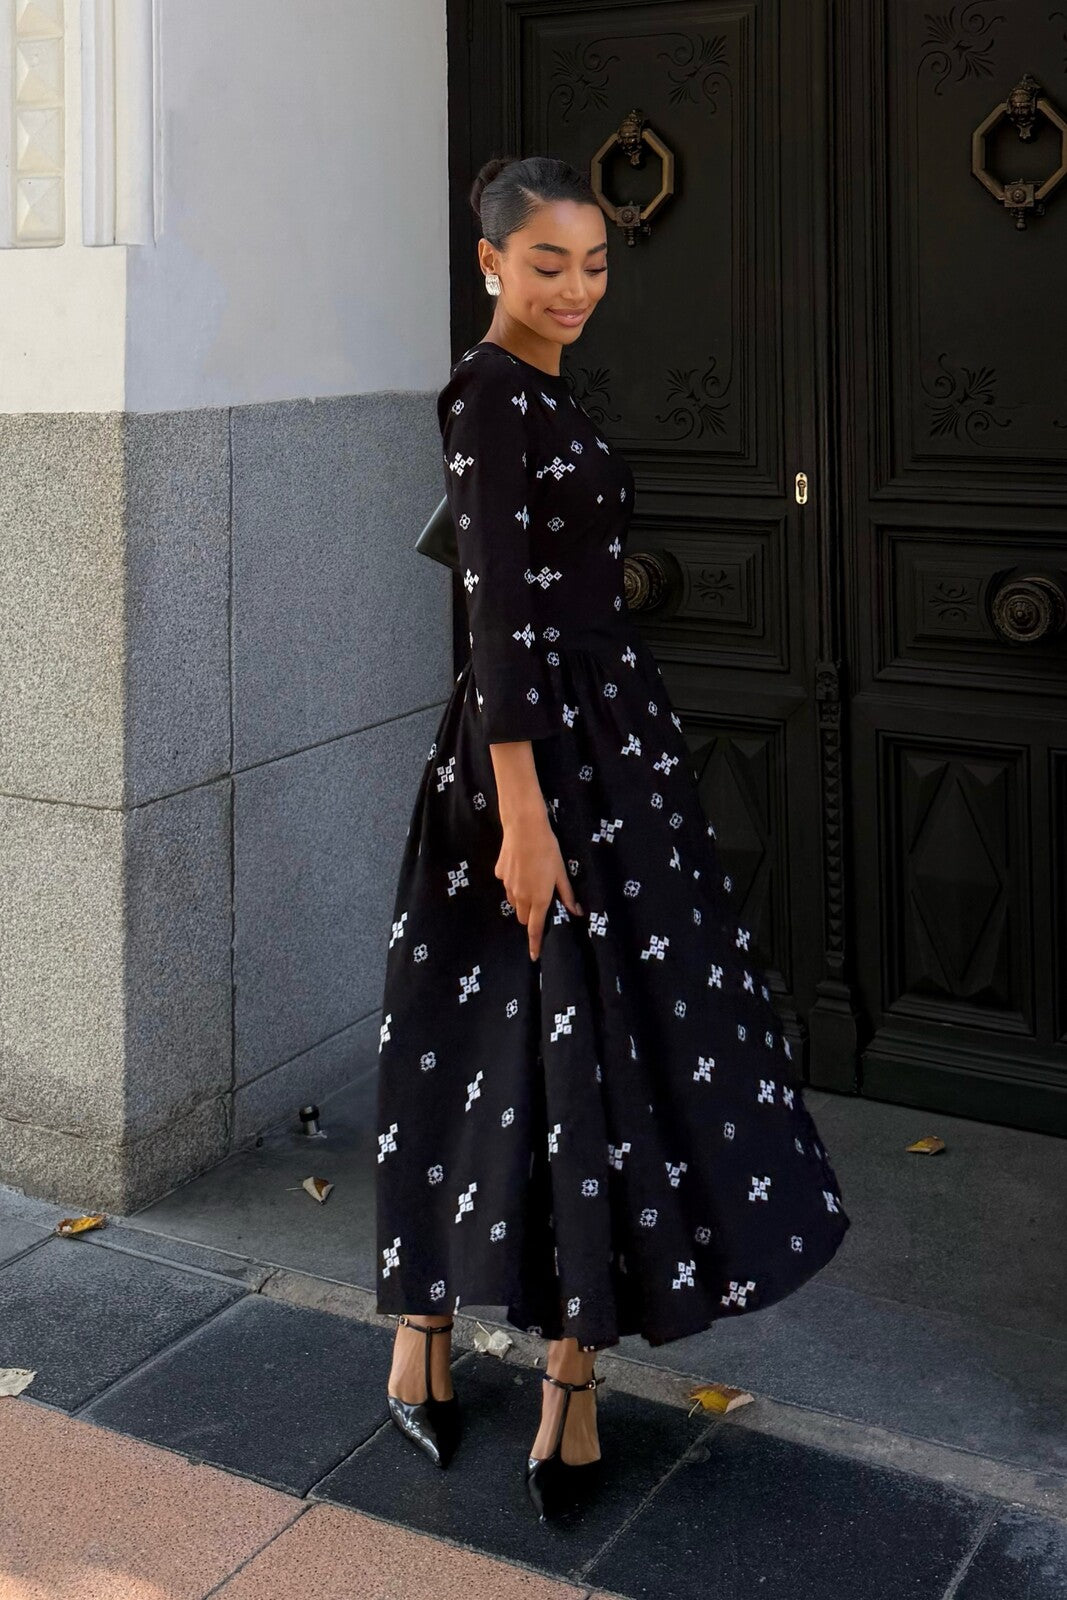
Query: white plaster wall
{"type": "Point", "coordinates": [304, 245]}
{"type": "Point", "coordinates": [301, 220]}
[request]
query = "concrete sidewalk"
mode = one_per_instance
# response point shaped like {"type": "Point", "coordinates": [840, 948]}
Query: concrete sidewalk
{"type": "Point", "coordinates": [206, 1416]}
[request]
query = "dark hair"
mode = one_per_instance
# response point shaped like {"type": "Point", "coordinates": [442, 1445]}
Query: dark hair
{"type": "Point", "coordinates": [508, 189]}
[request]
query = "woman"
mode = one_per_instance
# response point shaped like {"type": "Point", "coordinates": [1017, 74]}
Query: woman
{"type": "Point", "coordinates": [588, 1110]}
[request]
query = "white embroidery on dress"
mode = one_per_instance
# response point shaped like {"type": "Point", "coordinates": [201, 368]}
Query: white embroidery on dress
{"type": "Point", "coordinates": [556, 467]}
{"type": "Point", "coordinates": [563, 1023]}
{"type": "Point", "coordinates": [387, 1141]}
{"type": "Point", "coordinates": [474, 1090]}
{"type": "Point", "coordinates": [457, 878]}
{"type": "Point", "coordinates": [469, 984]}
{"type": "Point", "coordinates": [610, 828]}
{"type": "Point", "coordinates": [544, 578]}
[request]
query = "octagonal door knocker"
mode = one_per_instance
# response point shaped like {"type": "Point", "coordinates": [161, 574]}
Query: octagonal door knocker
{"type": "Point", "coordinates": [1023, 105]}
{"type": "Point", "coordinates": [632, 134]}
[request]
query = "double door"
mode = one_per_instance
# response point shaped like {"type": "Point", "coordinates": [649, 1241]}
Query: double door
{"type": "Point", "coordinates": [836, 364]}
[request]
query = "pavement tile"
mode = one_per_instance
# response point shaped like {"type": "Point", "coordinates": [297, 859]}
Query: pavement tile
{"type": "Point", "coordinates": [759, 1516]}
{"type": "Point", "coordinates": [991, 1390]}
{"type": "Point", "coordinates": [332, 1554]}
{"type": "Point", "coordinates": [1023, 1557]}
{"type": "Point", "coordinates": [90, 1515]}
{"type": "Point", "coordinates": [481, 1498]}
{"type": "Point", "coordinates": [279, 1392]}
{"type": "Point", "coordinates": [178, 1253]}
{"type": "Point", "coordinates": [81, 1317]}
{"type": "Point", "coordinates": [25, 1221]}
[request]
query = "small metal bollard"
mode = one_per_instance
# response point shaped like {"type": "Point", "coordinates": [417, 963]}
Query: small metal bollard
{"type": "Point", "coordinates": [309, 1120]}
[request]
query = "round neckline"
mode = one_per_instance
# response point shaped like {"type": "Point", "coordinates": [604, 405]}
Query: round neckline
{"type": "Point", "coordinates": [551, 377]}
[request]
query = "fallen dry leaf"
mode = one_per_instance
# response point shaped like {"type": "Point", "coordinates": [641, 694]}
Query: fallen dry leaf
{"type": "Point", "coordinates": [718, 1397]}
{"type": "Point", "coordinates": [317, 1188]}
{"type": "Point", "coordinates": [928, 1146]}
{"type": "Point", "coordinates": [81, 1224]}
{"type": "Point", "coordinates": [496, 1343]}
{"type": "Point", "coordinates": [14, 1379]}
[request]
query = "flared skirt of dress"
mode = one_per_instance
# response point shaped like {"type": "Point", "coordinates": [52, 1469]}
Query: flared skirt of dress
{"type": "Point", "coordinates": [611, 1140]}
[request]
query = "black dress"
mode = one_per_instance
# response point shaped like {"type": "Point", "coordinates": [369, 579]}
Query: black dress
{"type": "Point", "coordinates": [611, 1140]}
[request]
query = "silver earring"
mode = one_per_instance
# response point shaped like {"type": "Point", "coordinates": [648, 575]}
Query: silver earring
{"type": "Point", "coordinates": [492, 283]}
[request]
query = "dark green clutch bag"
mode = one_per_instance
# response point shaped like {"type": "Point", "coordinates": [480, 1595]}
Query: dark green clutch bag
{"type": "Point", "coordinates": [438, 539]}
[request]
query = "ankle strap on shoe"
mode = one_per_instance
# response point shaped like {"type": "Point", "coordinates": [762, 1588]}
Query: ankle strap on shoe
{"type": "Point", "coordinates": [422, 1327]}
{"type": "Point", "coordinates": [594, 1382]}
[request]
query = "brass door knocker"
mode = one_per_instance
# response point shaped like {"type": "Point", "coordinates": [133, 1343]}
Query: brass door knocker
{"type": "Point", "coordinates": [632, 135]}
{"type": "Point", "coordinates": [1022, 106]}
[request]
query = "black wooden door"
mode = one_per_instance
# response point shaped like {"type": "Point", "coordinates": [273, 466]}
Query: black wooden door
{"type": "Point", "coordinates": [954, 556]}
{"type": "Point", "coordinates": [750, 361]}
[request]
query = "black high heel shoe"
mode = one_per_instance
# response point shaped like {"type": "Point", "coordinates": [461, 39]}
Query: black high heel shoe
{"type": "Point", "coordinates": [555, 1485]}
{"type": "Point", "coordinates": [432, 1424]}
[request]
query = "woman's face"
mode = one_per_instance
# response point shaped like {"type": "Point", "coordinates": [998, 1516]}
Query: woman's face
{"type": "Point", "coordinates": [554, 270]}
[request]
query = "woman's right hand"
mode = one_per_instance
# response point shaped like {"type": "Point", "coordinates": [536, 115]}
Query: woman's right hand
{"type": "Point", "coordinates": [532, 870]}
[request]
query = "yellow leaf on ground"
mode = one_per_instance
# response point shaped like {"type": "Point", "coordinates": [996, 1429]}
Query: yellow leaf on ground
{"type": "Point", "coordinates": [718, 1397]}
{"type": "Point", "coordinates": [928, 1146]}
{"type": "Point", "coordinates": [81, 1224]}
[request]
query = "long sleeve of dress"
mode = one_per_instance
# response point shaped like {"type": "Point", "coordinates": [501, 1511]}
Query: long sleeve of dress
{"type": "Point", "coordinates": [482, 412]}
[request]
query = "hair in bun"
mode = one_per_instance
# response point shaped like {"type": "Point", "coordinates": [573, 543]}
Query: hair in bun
{"type": "Point", "coordinates": [508, 190]}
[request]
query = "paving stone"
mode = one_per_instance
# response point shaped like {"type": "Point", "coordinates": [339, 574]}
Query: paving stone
{"type": "Point", "coordinates": [277, 1392]}
{"type": "Point", "coordinates": [24, 1221]}
{"type": "Point", "coordinates": [81, 1318]}
{"type": "Point", "coordinates": [991, 1390]}
{"type": "Point", "coordinates": [763, 1517]}
{"type": "Point", "coordinates": [252, 1274]}
{"type": "Point", "coordinates": [481, 1498]}
{"type": "Point", "coordinates": [333, 1554]}
{"type": "Point", "coordinates": [89, 1515]}
{"type": "Point", "coordinates": [1023, 1557]}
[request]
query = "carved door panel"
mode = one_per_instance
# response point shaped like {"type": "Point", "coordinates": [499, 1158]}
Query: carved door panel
{"type": "Point", "coordinates": [954, 451]}
{"type": "Point", "coordinates": [701, 365]}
